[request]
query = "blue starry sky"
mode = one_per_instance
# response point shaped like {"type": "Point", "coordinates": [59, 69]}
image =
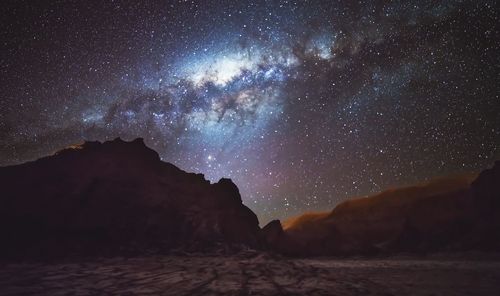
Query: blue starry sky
{"type": "Point", "coordinates": [303, 104]}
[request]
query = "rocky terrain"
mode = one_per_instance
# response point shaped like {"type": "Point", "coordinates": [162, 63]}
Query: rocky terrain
{"type": "Point", "coordinates": [113, 198]}
{"type": "Point", "coordinates": [119, 198]}
{"type": "Point", "coordinates": [447, 214]}
{"type": "Point", "coordinates": [253, 274]}
{"type": "Point", "coordinates": [112, 218]}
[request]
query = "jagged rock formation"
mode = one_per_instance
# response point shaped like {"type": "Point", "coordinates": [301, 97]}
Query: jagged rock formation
{"type": "Point", "coordinates": [446, 215]}
{"type": "Point", "coordinates": [119, 197]}
{"type": "Point", "coordinates": [106, 198]}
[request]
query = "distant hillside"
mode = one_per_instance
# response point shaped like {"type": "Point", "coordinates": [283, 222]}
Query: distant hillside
{"type": "Point", "coordinates": [443, 214]}
{"type": "Point", "coordinates": [386, 205]}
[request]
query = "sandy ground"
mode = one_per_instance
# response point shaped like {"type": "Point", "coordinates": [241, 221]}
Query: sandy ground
{"type": "Point", "coordinates": [256, 274]}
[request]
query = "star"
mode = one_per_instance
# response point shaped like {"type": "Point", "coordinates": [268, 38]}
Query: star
{"type": "Point", "coordinates": [303, 105]}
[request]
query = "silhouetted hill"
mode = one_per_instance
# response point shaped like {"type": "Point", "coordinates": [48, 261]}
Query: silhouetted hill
{"type": "Point", "coordinates": [118, 197]}
{"type": "Point", "coordinates": [444, 214]}
{"type": "Point", "coordinates": [114, 197]}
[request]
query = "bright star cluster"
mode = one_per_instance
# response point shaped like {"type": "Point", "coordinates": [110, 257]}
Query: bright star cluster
{"type": "Point", "coordinates": [302, 103]}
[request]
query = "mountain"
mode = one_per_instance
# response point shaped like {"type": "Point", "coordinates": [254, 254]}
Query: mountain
{"type": "Point", "coordinates": [447, 214]}
{"type": "Point", "coordinates": [116, 197]}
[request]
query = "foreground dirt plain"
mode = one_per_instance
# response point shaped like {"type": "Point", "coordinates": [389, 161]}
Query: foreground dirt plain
{"type": "Point", "coordinates": [254, 274]}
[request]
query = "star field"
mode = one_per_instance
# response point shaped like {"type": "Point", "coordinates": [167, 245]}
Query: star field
{"type": "Point", "coordinates": [302, 103]}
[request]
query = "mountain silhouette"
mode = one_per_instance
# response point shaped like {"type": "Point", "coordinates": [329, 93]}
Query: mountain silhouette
{"type": "Point", "coordinates": [448, 214]}
{"type": "Point", "coordinates": [118, 197]}
{"type": "Point", "coordinates": [113, 197]}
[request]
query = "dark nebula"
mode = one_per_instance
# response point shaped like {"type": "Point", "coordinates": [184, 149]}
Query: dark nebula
{"type": "Point", "coordinates": [302, 103]}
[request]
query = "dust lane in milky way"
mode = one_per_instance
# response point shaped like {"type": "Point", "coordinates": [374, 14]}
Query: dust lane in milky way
{"type": "Point", "coordinates": [302, 103]}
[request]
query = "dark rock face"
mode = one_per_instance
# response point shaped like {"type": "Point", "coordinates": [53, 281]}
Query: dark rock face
{"type": "Point", "coordinates": [462, 220]}
{"type": "Point", "coordinates": [273, 237]}
{"type": "Point", "coordinates": [455, 217]}
{"type": "Point", "coordinates": [486, 188]}
{"type": "Point", "coordinates": [119, 198]}
{"type": "Point", "coordinates": [486, 192]}
{"type": "Point", "coordinates": [109, 197]}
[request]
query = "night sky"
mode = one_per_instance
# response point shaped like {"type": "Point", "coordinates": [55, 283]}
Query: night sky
{"type": "Point", "coordinates": [302, 103]}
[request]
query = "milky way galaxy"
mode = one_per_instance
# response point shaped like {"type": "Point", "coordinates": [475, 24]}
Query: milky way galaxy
{"type": "Point", "coordinates": [302, 103]}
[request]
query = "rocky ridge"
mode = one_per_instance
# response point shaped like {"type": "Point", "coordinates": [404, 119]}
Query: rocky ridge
{"type": "Point", "coordinates": [115, 197]}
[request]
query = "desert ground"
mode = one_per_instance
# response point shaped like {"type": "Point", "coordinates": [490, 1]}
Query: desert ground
{"type": "Point", "coordinates": [254, 274]}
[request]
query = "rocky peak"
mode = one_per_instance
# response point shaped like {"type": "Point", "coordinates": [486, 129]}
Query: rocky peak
{"type": "Point", "coordinates": [135, 149]}
{"type": "Point", "coordinates": [105, 196]}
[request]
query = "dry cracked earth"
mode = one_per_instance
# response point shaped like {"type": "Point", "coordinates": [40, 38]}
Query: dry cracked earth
{"type": "Point", "coordinates": [254, 274]}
